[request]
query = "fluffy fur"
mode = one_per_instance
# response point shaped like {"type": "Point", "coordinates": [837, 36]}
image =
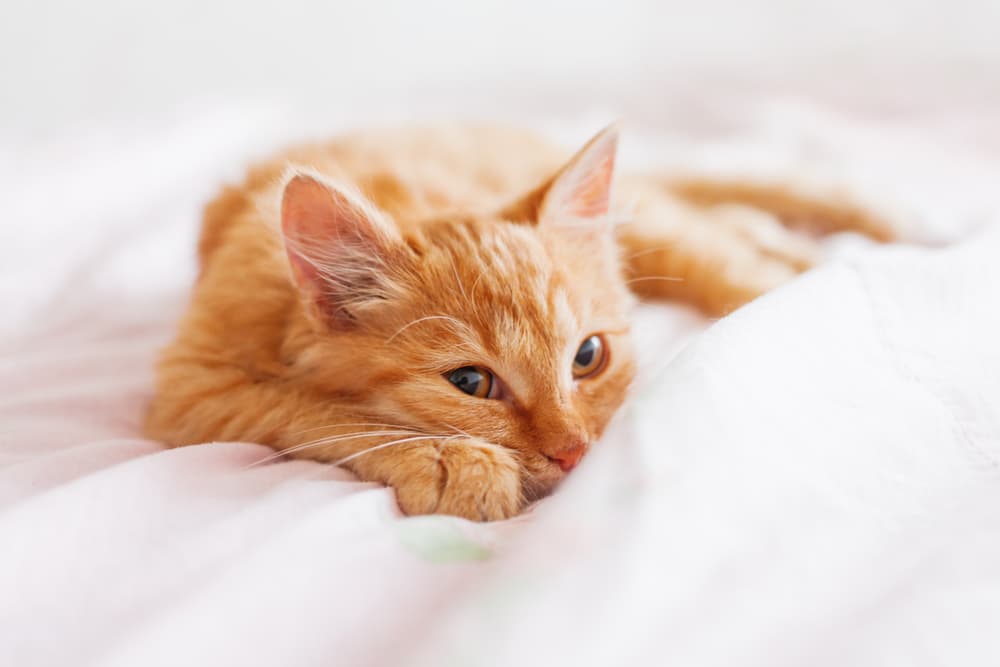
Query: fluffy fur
{"type": "Point", "coordinates": [340, 284]}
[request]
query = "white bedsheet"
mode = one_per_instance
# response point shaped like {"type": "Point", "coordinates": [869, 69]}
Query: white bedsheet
{"type": "Point", "coordinates": [813, 480]}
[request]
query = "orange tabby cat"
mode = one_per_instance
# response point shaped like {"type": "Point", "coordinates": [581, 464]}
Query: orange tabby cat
{"type": "Point", "coordinates": [447, 311]}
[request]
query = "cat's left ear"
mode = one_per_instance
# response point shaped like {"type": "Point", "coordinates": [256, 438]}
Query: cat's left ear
{"type": "Point", "coordinates": [341, 250]}
{"type": "Point", "coordinates": [580, 191]}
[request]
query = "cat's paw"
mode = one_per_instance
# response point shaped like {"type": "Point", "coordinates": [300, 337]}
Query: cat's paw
{"type": "Point", "coordinates": [466, 478]}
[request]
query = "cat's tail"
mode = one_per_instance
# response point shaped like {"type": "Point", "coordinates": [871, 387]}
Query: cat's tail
{"type": "Point", "coordinates": [797, 209]}
{"type": "Point", "coordinates": [718, 244]}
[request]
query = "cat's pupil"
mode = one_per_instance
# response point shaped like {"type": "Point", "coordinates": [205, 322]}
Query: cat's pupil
{"type": "Point", "coordinates": [469, 379]}
{"type": "Point", "coordinates": [585, 355]}
{"type": "Point", "coordinates": [589, 357]}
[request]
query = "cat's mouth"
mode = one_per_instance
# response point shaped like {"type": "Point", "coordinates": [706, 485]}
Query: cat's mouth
{"type": "Point", "coordinates": [546, 477]}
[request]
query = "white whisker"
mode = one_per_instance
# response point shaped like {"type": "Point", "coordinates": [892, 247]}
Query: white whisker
{"type": "Point", "coordinates": [326, 441]}
{"type": "Point", "coordinates": [672, 279]}
{"type": "Point", "coordinates": [389, 444]}
{"type": "Point", "coordinates": [454, 321]}
{"type": "Point", "coordinates": [647, 251]}
{"type": "Point", "coordinates": [339, 424]}
{"type": "Point", "coordinates": [458, 282]}
{"type": "Point", "coordinates": [457, 430]}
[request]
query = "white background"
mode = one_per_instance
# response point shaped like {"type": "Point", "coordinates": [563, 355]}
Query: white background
{"type": "Point", "coordinates": [65, 63]}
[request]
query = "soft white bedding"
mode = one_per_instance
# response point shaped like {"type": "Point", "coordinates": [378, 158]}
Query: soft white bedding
{"type": "Point", "coordinates": [813, 480]}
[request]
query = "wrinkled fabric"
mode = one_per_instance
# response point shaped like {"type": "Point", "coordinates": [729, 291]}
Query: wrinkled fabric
{"type": "Point", "coordinates": [812, 480]}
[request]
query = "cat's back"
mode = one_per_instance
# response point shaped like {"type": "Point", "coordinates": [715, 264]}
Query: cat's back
{"type": "Point", "coordinates": [411, 174]}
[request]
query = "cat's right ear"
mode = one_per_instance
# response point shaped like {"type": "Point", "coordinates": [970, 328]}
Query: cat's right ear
{"type": "Point", "coordinates": [579, 193]}
{"type": "Point", "coordinates": [340, 248]}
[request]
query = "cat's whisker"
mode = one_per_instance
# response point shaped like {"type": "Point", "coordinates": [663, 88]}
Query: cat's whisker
{"type": "Point", "coordinates": [672, 279]}
{"type": "Point", "coordinates": [448, 318]}
{"type": "Point", "coordinates": [457, 430]}
{"type": "Point", "coordinates": [336, 437]}
{"type": "Point", "coordinates": [475, 283]}
{"type": "Point", "coordinates": [458, 281]}
{"type": "Point", "coordinates": [392, 443]}
{"type": "Point", "coordinates": [648, 251]}
{"type": "Point", "coordinates": [325, 441]}
{"type": "Point", "coordinates": [340, 424]}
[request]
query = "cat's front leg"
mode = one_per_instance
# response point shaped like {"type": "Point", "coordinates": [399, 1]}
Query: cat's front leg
{"type": "Point", "coordinates": [463, 477]}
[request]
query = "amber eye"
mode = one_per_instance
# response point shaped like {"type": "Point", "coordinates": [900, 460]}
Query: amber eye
{"type": "Point", "coordinates": [474, 381]}
{"type": "Point", "coordinates": [589, 358]}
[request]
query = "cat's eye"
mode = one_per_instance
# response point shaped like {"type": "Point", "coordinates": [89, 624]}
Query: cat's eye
{"type": "Point", "coordinates": [474, 381]}
{"type": "Point", "coordinates": [589, 357]}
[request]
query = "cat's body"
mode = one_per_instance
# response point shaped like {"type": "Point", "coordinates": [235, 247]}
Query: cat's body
{"type": "Point", "coordinates": [345, 310]}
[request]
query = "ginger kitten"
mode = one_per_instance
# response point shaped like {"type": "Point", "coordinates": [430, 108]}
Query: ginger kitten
{"type": "Point", "coordinates": [447, 311]}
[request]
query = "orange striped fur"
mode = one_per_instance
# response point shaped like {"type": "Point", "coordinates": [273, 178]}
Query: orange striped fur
{"type": "Point", "coordinates": [342, 283]}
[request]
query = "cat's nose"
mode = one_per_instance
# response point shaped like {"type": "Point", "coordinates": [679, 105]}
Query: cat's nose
{"type": "Point", "coordinates": [567, 458]}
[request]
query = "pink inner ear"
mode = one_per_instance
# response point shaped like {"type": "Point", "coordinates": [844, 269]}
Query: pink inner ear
{"type": "Point", "coordinates": [308, 210]}
{"type": "Point", "coordinates": [583, 189]}
{"type": "Point", "coordinates": [591, 195]}
{"type": "Point", "coordinates": [337, 243]}
{"type": "Point", "coordinates": [308, 218]}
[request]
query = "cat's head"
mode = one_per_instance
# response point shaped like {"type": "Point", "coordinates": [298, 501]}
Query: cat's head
{"type": "Point", "coordinates": [510, 326]}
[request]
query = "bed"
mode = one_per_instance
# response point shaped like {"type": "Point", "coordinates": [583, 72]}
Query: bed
{"type": "Point", "coordinates": [814, 479]}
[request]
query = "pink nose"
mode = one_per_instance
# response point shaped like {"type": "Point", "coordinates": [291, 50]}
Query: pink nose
{"type": "Point", "coordinates": [569, 457]}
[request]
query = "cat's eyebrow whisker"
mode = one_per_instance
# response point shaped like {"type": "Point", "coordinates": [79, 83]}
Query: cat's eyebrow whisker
{"type": "Point", "coordinates": [458, 281]}
{"type": "Point", "coordinates": [325, 441]}
{"type": "Point", "coordinates": [475, 283]}
{"type": "Point", "coordinates": [403, 328]}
